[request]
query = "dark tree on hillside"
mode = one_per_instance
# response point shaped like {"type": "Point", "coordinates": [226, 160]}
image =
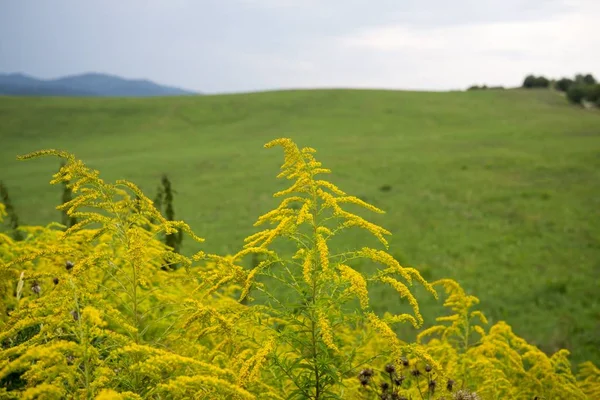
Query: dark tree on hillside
{"type": "Point", "coordinates": [593, 94]}
{"type": "Point", "coordinates": [541, 82]}
{"type": "Point", "coordinates": [164, 198]}
{"type": "Point", "coordinates": [172, 240]}
{"type": "Point", "coordinates": [529, 81]}
{"type": "Point", "coordinates": [564, 84]}
{"type": "Point", "coordinates": [589, 79]}
{"type": "Point", "coordinates": [577, 92]}
{"type": "Point", "coordinates": [13, 219]}
{"type": "Point", "coordinates": [67, 196]}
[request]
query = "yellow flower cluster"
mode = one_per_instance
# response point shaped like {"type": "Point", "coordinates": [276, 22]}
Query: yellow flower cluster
{"type": "Point", "coordinates": [307, 267]}
{"type": "Point", "coordinates": [326, 332]}
{"type": "Point", "coordinates": [251, 368]}
{"type": "Point", "coordinates": [497, 362]}
{"type": "Point", "coordinates": [358, 284]}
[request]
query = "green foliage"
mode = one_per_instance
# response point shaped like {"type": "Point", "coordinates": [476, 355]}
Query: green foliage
{"type": "Point", "coordinates": [67, 196]}
{"type": "Point", "coordinates": [529, 81]}
{"type": "Point", "coordinates": [172, 240]}
{"type": "Point", "coordinates": [164, 198]}
{"type": "Point", "coordinates": [577, 93]}
{"type": "Point", "coordinates": [484, 87]}
{"type": "Point", "coordinates": [542, 82]}
{"type": "Point", "coordinates": [587, 79]}
{"type": "Point", "coordinates": [593, 94]}
{"type": "Point", "coordinates": [13, 218]}
{"type": "Point", "coordinates": [564, 84]}
{"type": "Point", "coordinates": [583, 87]}
{"type": "Point", "coordinates": [532, 81]}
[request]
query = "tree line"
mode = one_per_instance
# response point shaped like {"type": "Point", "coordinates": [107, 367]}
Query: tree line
{"type": "Point", "coordinates": [579, 89]}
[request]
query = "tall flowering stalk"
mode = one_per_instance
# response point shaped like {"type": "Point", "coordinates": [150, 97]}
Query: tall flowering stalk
{"type": "Point", "coordinates": [312, 297]}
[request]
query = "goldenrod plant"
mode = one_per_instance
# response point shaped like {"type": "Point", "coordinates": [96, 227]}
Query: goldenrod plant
{"type": "Point", "coordinates": [93, 310]}
{"type": "Point", "coordinates": [310, 352]}
{"type": "Point", "coordinates": [496, 362]}
{"type": "Point", "coordinates": [10, 213]}
{"type": "Point", "coordinates": [89, 312]}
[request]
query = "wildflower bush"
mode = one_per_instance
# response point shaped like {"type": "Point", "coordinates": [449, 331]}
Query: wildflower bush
{"type": "Point", "coordinates": [89, 311]}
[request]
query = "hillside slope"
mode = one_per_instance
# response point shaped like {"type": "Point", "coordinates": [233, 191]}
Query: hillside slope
{"type": "Point", "coordinates": [497, 189]}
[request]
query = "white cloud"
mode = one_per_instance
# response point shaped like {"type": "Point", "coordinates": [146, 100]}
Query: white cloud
{"type": "Point", "coordinates": [526, 37]}
{"type": "Point", "coordinates": [496, 52]}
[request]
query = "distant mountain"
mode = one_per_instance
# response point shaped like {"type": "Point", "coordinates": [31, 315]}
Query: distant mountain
{"type": "Point", "coordinates": [90, 84]}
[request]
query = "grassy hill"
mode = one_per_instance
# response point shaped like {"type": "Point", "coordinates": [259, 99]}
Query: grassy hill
{"type": "Point", "coordinates": [496, 189]}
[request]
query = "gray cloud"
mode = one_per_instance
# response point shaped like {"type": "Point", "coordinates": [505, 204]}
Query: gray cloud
{"type": "Point", "coordinates": [241, 45]}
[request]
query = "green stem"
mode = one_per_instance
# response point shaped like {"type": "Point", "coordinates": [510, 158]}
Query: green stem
{"type": "Point", "coordinates": [87, 365]}
{"type": "Point", "coordinates": [419, 387]}
{"type": "Point", "coordinates": [314, 345]}
{"type": "Point", "coordinates": [135, 305]}
{"type": "Point", "coordinates": [134, 280]}
{"type": "Point", "coordinates": [314, 295]}
{"type": "Point", "coordinates": [83, 338]}
{"type": "Point", "coordinates": [467, 332]}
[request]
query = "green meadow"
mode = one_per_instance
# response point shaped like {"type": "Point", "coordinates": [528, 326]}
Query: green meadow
{"type": "Point", "coordinates": [497, 189]}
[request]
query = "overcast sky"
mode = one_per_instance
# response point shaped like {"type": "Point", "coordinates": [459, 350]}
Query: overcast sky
{"type": "Point", "coordinates": [217, 46]}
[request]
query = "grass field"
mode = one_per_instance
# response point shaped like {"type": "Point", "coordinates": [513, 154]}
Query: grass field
{"type": "Point", "coordinates": [496, 189]}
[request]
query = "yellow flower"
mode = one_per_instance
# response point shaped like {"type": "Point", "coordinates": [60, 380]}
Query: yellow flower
{"type": "Point", "coordinates": [387, 334]}
{"type": "Point", "coordinates": [304, 214]}
{"type": "Point", "coordinates": [326, 330]}
{"type": "Point", "coordinates": [404, 292]}
{"type": "Point", "coordinates": [307, 268]}
{"type": "Point", "coordinates": [246, 375]}
{"type": "Point", "coordinates": [323, 253]}
{"type": "Point", "coordinates": [109, 394]}
{"type": "Point", "coordinates": [358, 284]}
{"type": "Point", "coordinates": [93, 316]}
